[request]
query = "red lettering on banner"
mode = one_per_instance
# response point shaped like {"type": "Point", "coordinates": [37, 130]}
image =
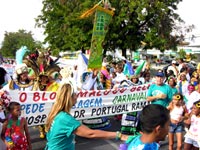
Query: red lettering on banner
{"type": "Point", "coordinates": [122, 90]}
{"type": "Point", "coordinates": [36, 96]}
{"type": "Point", "coordinates": [106, 92]}
{"type": "Point", "coordinates": [115, 91]}
{"type": "Point", "coordinates": [99, 93]}
{"type": "Point", "coordinates": [52, 96]}
{"type": "Point", "coordinates": [92, 93]}
{"type": "Point", "coordinates": [82, 94]}
{"type": "Point", "coordinates": [133, 89]}
{"type": "Point", "coordinates": [139, 88]}
{"type": "Point", "coordinates": [43, 97]}
{"type": "Point", "coordinates": [144, 88]}
{"type": "Point", "coordinates": [22, 97]}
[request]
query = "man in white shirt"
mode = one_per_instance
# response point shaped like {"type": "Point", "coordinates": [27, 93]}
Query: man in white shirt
{"type": "Point", "coordinates": [173, 68]}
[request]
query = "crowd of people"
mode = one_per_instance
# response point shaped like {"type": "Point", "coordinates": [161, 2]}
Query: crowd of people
{"type": "Point", "coordinates": [174, 110]}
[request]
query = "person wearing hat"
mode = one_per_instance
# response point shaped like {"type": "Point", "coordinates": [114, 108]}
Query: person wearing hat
{"type": "Point", "coordinates": [174, 68]}
{"type": "Point", "coordinates": [97, 80]}
{"type": "Point", "coordinates": [159, 93]}
{"type": "Point", "coordinates": [20, 80]}
{"type": "Point", "coordinates": [182, 84]}
{"type": "Point", "coordinates": [135, 80]}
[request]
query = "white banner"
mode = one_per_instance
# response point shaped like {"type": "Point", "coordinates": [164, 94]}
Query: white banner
{"type": "Point", "coordinates": [90, 104]}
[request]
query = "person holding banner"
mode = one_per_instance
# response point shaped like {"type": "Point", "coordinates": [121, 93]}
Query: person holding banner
{"type": "Point", "coordinates": [20, 80]}
{"type": "Point", "coordinates": [61, 126]}
{"type": "Point", "coordinates": [93, 82]}
{"type": "Point", "coordinates": [44, 69]}
{"type": "Point", "coordinates": [159, 93]}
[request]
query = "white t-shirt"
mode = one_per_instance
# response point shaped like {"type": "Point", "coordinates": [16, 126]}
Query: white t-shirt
{"type": "Point", "coordinates": [120, 77]}
{"type": "Point", "coordinates": [194, 130]}
{"type": "Point", "coordinates": [173, 69]}
{"type": "Point", "coordinates": [193, 97]}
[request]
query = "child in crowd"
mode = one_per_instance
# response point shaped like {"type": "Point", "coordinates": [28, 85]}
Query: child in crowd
{"type": "Point", "coordinates": [154, 124]}
{"type": "Point", "coordinates": [15, 129]}
{"type": "Point", "coordinates": [192, 137]}
{"type": "Point", "coordinates": [178, 112]}
{"type": "Point", "coordinates": [2, 144]}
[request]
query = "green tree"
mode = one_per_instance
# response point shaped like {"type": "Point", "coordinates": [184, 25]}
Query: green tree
{"type": "Point", "coordinates": [150, 21]}
{"type": "Point", "coordinates": [63, 26]}
{"type": "Point", "coordinates": [14, 40]}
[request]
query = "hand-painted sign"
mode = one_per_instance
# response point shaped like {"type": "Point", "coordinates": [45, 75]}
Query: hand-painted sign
{"type": "Point", "coordinates": [36, 105]}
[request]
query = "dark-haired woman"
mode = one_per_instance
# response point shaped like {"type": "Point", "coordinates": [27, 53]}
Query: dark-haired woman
{"type": "Point", "coordinates": [172, 83]}
{"type": "Point", "coordinates": [4, 77]}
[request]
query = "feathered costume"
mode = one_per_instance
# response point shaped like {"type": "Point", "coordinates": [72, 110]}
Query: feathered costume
{"type": "Point", "coordinates": [43, 67]}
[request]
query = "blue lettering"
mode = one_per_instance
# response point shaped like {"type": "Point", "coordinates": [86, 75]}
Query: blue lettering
{"type": "Point", "coordinates": [23, 107]}
{"type": "Point", "coordinates": [28, 108]}
{"type": "Point", "coordinates": [89, 103]}
{"type": "Point", "coordinates": [41, 108]}
{"type": "Point", "coordinates": [34, 108]}
{"type": "Point", "coordinates": [86, 103]}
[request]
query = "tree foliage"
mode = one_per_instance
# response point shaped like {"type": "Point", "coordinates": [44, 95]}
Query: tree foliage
{"type": "Point", "coordinates": [150, 21]}
{"type": "Point", "coordinates": [14, 40]}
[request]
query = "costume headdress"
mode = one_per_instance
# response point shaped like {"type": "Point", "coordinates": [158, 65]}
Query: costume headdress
{"type": "Point", "coordinates": [20, 69]}
{"type": "Point", "coordinates": [42, 66]}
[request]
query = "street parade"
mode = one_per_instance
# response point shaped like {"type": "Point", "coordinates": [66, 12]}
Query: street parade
{"type": "Point", "coordinates": [85, 99]}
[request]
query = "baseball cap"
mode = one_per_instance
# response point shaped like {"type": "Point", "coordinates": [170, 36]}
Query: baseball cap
{"type": "Point", "coordinates": [160, 74]}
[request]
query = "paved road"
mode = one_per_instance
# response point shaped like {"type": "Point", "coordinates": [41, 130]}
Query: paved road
{"type": "Point", "coordinates": [87, 144]}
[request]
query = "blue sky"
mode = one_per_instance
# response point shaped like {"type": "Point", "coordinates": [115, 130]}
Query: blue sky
{"type": "Point", "coordinates": [20, 14]}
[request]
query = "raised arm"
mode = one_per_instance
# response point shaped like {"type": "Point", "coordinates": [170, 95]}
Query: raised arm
{"type": "Point", "coordinates": [86, 132]}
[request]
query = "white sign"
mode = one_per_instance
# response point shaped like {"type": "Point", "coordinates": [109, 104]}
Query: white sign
{"type": "Point", "coordinates": [36, 105]}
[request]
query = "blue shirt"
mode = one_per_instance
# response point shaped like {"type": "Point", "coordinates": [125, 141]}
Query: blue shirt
{"type": "Point", "coordinates": [60, 135]}
{"type": "Point", "coordinates": [174, 91]}
{"type": "Point", "coordinates": [137, 144]}
{"type": "Point", "coordinates": [162, 89]}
